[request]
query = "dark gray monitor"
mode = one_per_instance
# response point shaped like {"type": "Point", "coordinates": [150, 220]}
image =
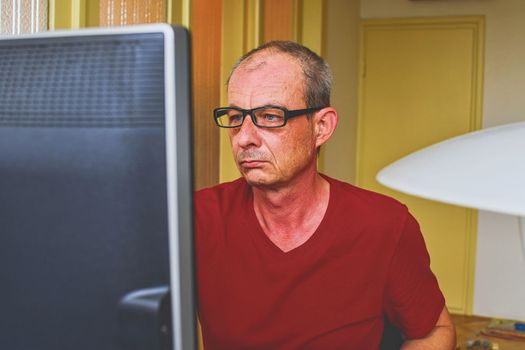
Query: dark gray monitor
{"type": "Point", "coordinates": [96, 241]}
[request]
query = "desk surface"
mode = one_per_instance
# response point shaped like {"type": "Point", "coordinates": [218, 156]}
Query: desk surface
{"type": "Point", "coordinates": [468, 327]}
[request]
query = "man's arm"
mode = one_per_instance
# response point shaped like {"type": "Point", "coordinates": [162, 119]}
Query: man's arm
{"type": "Point", "coordinates": [442, 337]}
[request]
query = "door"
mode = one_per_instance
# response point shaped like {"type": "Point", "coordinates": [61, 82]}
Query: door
{"type": "Point", "coordinates": [421, 83]}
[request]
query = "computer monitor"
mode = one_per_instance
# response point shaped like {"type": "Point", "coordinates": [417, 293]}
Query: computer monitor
{"type": "Point", "coordinates": [96, 190]}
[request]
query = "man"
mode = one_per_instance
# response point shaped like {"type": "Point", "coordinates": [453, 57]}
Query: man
{"type": "Point", "coordinates": [288, 258]}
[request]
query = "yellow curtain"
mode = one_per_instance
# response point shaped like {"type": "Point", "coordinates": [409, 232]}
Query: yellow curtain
{"type": "Point", "coordinates": [124, 12]}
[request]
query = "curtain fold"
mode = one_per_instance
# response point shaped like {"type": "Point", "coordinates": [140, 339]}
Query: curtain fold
{"type": "Point", "coordinates": [124, 12]}
{"type": "Point", "coordinates": [23, 16]}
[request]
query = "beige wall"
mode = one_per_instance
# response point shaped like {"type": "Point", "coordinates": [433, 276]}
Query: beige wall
{"type": "Point", "coordinates": [500, 266]}
{"type": "Point", "coordinates": [340, 50]}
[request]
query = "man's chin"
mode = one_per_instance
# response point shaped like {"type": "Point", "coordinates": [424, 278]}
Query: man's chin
{"type": "Point", "coordinates": [261, 182]}
{"type": "Point", "coordinates": [255, 177]}
{"type": "Point", "coordinates": [256, 180]}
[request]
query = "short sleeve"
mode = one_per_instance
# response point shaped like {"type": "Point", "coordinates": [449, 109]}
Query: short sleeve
{"type": "Point", "coordinates": [413, 300]}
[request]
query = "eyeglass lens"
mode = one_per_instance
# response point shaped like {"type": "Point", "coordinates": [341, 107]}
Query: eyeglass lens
{"type": "Point", "coordinates": [265, 117]}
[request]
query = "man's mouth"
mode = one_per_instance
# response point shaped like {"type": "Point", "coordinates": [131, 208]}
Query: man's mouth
{"type": "Point", "coordinates": [251, 163]}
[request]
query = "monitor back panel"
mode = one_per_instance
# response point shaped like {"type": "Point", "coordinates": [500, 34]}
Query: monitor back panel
{"type": "Point", "coordinates": [83, 197]}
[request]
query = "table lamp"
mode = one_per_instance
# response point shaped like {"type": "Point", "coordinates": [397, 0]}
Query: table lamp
{"type": "Point", "coordinates": [482, 170]}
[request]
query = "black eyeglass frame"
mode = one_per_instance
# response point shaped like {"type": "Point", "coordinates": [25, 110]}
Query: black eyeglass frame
{"type": "Point", "coordinates": [288, 114]}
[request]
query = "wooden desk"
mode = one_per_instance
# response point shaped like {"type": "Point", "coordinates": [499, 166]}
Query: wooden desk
{"type": "Point", "coordinates": [468, 327]}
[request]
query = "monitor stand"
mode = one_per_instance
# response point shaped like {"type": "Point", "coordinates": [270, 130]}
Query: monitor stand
{"type": "Point", "coordinates": [144, 319]}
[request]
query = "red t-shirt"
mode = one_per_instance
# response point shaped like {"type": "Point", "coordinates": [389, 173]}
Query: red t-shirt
{"type": "Point", "coordinates": [367, 259]}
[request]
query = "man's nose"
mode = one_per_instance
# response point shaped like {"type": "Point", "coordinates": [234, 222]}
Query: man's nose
{"type": "Point", "coordinates": [248, 133]}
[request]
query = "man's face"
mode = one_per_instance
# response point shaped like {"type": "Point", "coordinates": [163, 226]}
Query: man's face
{"type": "Point", "coordinates": [271, 158]}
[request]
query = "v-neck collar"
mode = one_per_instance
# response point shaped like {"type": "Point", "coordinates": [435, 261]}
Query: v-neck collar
{"type": "Point", "coordinates": [317, 240]}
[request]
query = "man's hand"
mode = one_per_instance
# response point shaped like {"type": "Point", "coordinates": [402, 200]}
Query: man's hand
{"type": "Point", "coordinates": [442, 337]}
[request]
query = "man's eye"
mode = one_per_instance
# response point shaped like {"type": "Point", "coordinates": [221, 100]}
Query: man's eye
{"type": "Point", "coordinates": [272, 117]}
{"type": "Point", "coordinates": [235, 119]}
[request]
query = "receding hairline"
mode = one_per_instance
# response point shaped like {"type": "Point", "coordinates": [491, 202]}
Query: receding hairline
{"type": "Point", "coordinates": [263, 58]}
{"type": "Point", "coordinates": [316, 76]}
{"type": "Point", "coordinates": [259, 59]}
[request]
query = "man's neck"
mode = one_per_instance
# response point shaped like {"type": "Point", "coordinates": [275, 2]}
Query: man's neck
{"type": "Point", "coordinates": [289, 216]}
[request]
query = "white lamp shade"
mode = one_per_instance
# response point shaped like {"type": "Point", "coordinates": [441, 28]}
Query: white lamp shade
{"type": "Point", "coordinates": [483, 169]}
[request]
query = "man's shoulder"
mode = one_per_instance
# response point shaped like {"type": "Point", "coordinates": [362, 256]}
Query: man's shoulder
{"type": "Point", "coordinates": [369, 208]}
{"type": "Point", "coordinates": [372, 214]}
{"type": "Point", "coordinates": [362, 197]}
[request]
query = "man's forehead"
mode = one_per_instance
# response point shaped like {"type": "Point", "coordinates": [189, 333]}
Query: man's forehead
{"type": "Point", "coordinates": [267, 58]}
{"type": "Point", "coordinates": [253, 65]}
{"type": "Point", "coordinates": [266, 78]}
{"type": "Point", "coordinates": [265, 81]}
{"type": "Point", "coordinates": [268, 70]}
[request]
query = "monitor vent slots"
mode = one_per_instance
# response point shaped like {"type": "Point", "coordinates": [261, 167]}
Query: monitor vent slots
{"type": "Point", "coordinates": [104, 84]}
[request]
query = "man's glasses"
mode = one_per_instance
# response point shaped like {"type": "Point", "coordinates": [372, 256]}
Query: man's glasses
{"type": "Point", "coordinates": [263, 117]}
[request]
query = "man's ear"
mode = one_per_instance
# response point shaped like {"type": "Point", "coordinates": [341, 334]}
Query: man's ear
{"type": "Point", "coordinates": [325, 123]}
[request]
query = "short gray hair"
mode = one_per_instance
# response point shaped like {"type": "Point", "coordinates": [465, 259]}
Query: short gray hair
{"type": "Point", "coordinates": [316, 72]}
